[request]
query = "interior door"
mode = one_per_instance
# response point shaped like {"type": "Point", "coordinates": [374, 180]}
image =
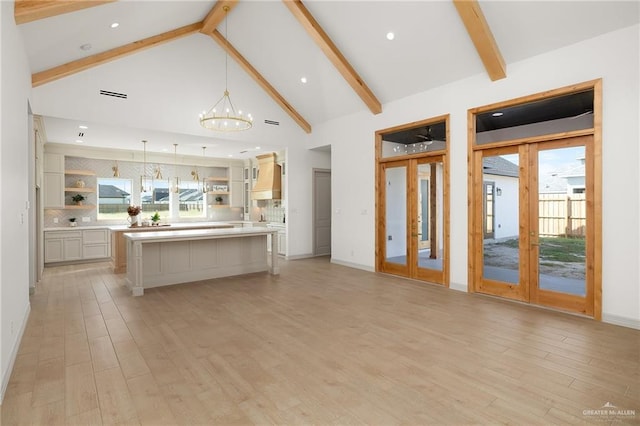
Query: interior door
{"type": "Point", "coordinates": [542, 243]}
{"type": "Point", "coordinates": [413, 222]}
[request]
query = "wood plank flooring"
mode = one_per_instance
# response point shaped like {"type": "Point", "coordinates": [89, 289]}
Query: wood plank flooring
{"type": "Point", "coordinates": [320, 344]}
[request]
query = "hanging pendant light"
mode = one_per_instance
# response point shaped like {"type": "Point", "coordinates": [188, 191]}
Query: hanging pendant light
{"type": "Point", "coordinates": [146, 181]}
{"type": "Point", "coordinates": [116, 170]}
{"type": "Point", "coordinates": [175, 185]}
{"type": "Point", "coordinates": [222, 117]}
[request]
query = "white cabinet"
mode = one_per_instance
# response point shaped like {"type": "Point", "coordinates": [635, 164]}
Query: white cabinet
{"type": "Point", "coordinates": [237, 200]}
{"type": "Point", "coordinates": [61, 246]}
{"type": "Point", "coordinates": [53, 163]}
{"type": "Point", "coordinates": [53, 181]}
{"type": "Point", "coordinates": [53, 190]}
{"type": "Point", "coordinates": [237, 187]}
{"type": "Point", "coordinates": [95, 243]}
{"type": "Point", "coordinates": [64, 246]}
{"type": "Point", "coordinates": [282, 242]}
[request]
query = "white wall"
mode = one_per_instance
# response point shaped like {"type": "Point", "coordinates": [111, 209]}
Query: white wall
{"type": "Point", "coordinates": [507, 213]}
{"type": "Point", "coordinates": [613, 57]}
{"type": "Point", "coordinates": [300, 163]}
{"type": "Point", "coordinates": [15, 85]}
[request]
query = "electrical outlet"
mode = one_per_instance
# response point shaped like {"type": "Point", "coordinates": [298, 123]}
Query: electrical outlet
{"type": "Point", "coordinates": [86, 219]}
{"type": "Point", "coordinates": [55, 220]}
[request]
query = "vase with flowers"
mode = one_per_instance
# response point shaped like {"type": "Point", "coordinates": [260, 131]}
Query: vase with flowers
{"type": "Point", "coordinates": [133, 212]}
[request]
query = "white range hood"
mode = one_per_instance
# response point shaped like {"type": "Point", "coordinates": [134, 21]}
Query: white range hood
{"type": "Point", "coordinates": [268, 185]}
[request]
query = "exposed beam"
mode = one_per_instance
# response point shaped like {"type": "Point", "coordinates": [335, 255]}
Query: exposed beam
{"type": "Point", "coordinates": [262, 82]}
{"type": "Point", "coordinates": [216, 15]}
{"type": "Point", "coordinates": [333, 53]}
{"type": "Point", "coordinates": [27, 10]}
{"type": "Point", "coordinates": [74, 67]}
{"type": "Point", "coordinates": [482, 38]}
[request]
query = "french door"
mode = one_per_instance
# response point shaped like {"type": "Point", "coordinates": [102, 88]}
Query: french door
{"type": "Point", "coordinates": [533, 229]}
{"type": "Point", "coordinates": [412, 225]}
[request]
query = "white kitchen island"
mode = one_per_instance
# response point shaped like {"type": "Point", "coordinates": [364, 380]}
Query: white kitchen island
{"type": "Point", "coordinates": [171, 257]}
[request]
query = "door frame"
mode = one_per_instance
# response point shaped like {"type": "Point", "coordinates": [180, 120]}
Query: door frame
{"type": "Point", "coordinates": [380, 214]}
{"type": "Point", "coordinates": [475, 165]}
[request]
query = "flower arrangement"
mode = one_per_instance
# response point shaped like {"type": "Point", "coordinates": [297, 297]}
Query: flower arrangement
{"type": "Point", "coordinates": [134, 210]}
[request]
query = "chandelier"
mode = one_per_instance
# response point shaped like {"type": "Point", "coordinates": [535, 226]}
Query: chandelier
{"type": "Point", "coordinates": [222, 117]}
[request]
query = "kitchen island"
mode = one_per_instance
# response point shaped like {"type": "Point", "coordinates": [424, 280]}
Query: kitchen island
{"type": "Point", "coordinates": [119, 247]}
{"type": "Point", "coordinates": [171, 257]}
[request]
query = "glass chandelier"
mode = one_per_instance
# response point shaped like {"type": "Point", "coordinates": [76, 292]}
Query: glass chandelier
{"type": "Point", "coordinates": [222, 117]}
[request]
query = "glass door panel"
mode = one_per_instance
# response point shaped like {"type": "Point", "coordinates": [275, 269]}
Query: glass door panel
{"type": "Point", "coordinates": [560, 249]}
{"type": "Point", "coordinates": [395, 224]}
{"type": "Point", "coordinates": [501, 218]}
{"type": "Point", "coordinates": [427, 232]}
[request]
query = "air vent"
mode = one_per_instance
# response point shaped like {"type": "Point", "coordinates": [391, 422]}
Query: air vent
{"type": "Point", "coordinates": [113, 94]}
{"type": "Point", "coordinates": [273, 123]}
{"type": "Point", "coordinates": [81, 134]}
{"type": "Point", "coordinates": [242, 152]}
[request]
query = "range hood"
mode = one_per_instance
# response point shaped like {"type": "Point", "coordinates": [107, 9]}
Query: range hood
{"type": "Point", "coordinates": [268, 185]}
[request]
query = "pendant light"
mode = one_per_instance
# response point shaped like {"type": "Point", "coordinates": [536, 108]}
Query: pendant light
{"type": "Point", "coordinates": [146, 181]}
{"type": "Point", "coordinates": [175, 187]}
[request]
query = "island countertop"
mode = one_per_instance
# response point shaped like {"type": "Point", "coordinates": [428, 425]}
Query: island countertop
{"type": "Point", "coordinates": [178, 225]}
{"type": "Point", "coordinates": [195, 234]}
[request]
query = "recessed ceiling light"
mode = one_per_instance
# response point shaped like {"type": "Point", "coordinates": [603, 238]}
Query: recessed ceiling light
{"type": "Point", "coordinates": [303, 79]}
{"type": "Point", "coordinates": [86, 47]}
{"type": "Point", "coordinates": [230, 155]}
{"type": "Point", "coordinates": [497, 114]}
{"type": "Point", "coordinates": [257, 147]}
{"type": "Point", "coordinates": [115, 25]}
{"type": "Point", "coordinates": [390, 35]}
{"type": "Point", "coordinates": [165, 150]}
{"type": "Point", "coordinates": [82, 126]}
{"type": "Point", "coordinates": [79, 141]}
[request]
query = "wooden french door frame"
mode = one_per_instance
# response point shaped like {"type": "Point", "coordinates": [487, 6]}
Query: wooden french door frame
{"type": "Point", "coordinates": [412, 269]}
{"type": "Point", "coordinates": [594, 247]}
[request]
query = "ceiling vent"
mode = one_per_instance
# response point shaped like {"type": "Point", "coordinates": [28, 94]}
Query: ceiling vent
{"type": "Point", "coordinates": [271, 122]}
{"type": "Point", "coordinates": [113, 94]}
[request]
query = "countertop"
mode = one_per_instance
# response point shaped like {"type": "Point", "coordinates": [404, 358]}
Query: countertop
{"type": "Point", "coordinates": [193, 234]}
{"type": "Point", "coordinates": [175, 225]}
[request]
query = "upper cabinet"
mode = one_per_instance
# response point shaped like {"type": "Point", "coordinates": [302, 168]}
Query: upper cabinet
{"type": "Point", "coordinates": [53, 181]}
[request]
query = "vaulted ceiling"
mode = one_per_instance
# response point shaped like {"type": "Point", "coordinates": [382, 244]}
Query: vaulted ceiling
{"type": "Point", "coordinates": [168, 57]}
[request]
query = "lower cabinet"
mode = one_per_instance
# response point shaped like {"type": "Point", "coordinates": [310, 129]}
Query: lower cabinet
{"type": "Point", "coordinates": [64, 246]}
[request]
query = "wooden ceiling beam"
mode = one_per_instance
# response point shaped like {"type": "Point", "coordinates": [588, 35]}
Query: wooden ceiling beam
{"type": "Point", "coordinates": [28, 10]}
{"type": "Point", "coordinates": [333, 53]}
{"type": "Point", "coordinates": [482, 38]}
{"type": "Point", "coordinates": [216, 15]}
{"type": "Point", "coordinates": [74, 67]}
{"type": "Point", "coordinates": [258, 78]}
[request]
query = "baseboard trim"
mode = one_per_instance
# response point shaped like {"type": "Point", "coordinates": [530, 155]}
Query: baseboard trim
{"type": "Point", "coordinates": [353, 265]}
{"type": "Point", "coordinates": [459, 287]}
{"type": "Point", "coordinates": [623, 321]}
{"type": "Point", "coordinates": [14, 353]}
{"type": "Point", "coordinates": [299, 256]}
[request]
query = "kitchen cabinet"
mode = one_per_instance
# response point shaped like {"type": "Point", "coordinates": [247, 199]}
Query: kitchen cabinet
{"type": "Point", "coordinates": [64, 246]}
{"type": "Point", "coordinates": [53, 184]}
{"type": "Point", "coordinates": [61, 246]}
{"type": "Point", "coordinates": [281, 238]}
{"type": "Point", "coordinates": [95, 243]}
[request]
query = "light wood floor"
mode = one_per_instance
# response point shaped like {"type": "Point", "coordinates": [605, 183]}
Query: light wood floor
{"type": "Point", "coordinates": [320, 344]}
